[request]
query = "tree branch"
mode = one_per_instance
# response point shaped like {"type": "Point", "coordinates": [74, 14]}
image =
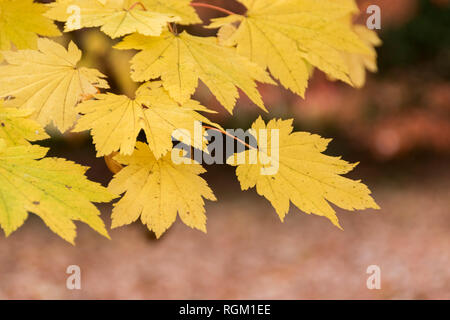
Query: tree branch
{"type": "Point", "coordinates": [210, 6]}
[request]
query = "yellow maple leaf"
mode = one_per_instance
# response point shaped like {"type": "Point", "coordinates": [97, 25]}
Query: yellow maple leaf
{"type": "Point", "coordinates": [116, 120]}
{"type": "Point", "coordinates": [156, 190]}
{"type": "Point", "coordinates": [303, 175]}
{"type": "Point", "coordinates": [115, 17]}
{"type": "Point", "coordinates": [17, 129]}
{"type": "Point", "coordinates": [282, 35]}
{"type": "Point", "coordinates": [179, 8]}
{"type": "Point", "coordinates": [20, 23]}
{"type": "Point", "coordinates": [358, 63]}
{"type": "Point", "coordinates": [225, 33]}
{"type": "Point", "coordinates": [181, 60]}
{"type": "Point", "coordinates": [48, 82]}
{"type": "Point", "coordinates": [54, 189]}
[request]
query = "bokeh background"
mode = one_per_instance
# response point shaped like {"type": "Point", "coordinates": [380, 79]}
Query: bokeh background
{"type": "Point", "coordinates": [398, 126]}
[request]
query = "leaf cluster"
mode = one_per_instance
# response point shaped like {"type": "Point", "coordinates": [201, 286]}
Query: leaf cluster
{"type": "Point", "coordinates": [277, 42]}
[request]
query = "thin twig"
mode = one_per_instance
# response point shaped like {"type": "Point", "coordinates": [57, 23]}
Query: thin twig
{"type": "Point", "coordinates": [231, 136]}
{"type": "Point", "coordinates": [134, 5]}
{"type": "Point", "coordinates": [169, 25]}
{"type": "Point", "coordinates": [210, 6]}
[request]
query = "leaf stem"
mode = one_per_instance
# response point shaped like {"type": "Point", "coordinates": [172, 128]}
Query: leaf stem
{"type": "Point", "coordinates": [134, 5]}
{"type": "Point", "coordinates": [231, 136]}
{"type": "Point", "coordinates": [170, 27]}
{"type": "Point", "coordinates": [210, 6]}
{"type": "Point", "coordinates": [112, 164]}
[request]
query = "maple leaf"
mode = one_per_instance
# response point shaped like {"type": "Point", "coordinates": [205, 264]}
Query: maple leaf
{"type": "Point", "coordinates": [358, 63]}
{"type": "Point", "coordinates": [54, 189]}
{"type": "Point", "coordinates": [115, 17]}
{"type": "Point", "coordinates": [282, 35]}
{"type": "Point", "coordinates": [20, 23]}
{"type": "Point", "coordinates": [116, 120]}
{"type": "Point", "coordinates": [48, 82]}
{"type": "Point", "coordinates": [179, 8]}
{"type": "Point", "coordinates": [305, 176]}
{"type": "Point", "coordinates": [156, 190]}
{"type": "Point", "coordinates": [17, 129]}
{"type": "Point", "coordinates": [181, 60]}
{"type": "Point", "coordinates": [225, 33]}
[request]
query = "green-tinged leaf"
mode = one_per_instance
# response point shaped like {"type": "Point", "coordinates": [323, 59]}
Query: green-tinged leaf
{"type": "Point", "coordinates": [21, 21]}
{"type": "Point", "coordinates": [17, 129]}
{"type": "Point", "coordinates": [54, 189]}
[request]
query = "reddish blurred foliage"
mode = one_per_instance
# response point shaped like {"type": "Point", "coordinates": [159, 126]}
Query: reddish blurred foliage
{"type": "Point", "coordinates": [389, 117]}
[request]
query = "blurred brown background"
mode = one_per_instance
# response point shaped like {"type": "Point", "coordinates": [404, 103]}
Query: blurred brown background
{"type": "Point", "coordinates": [398, 126]}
